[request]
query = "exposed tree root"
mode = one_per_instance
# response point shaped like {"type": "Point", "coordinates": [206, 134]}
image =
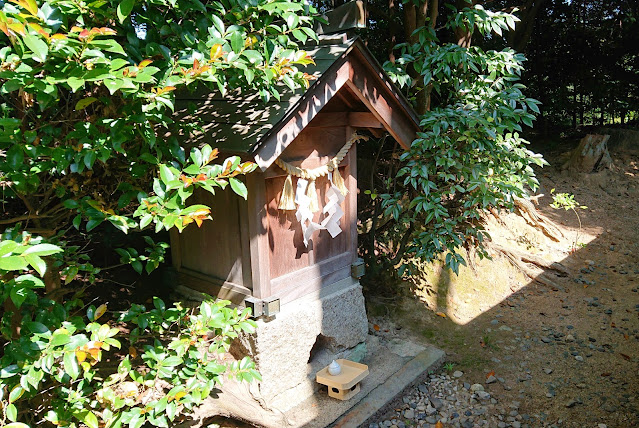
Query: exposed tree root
{"type": "Point", "coordinates": [535, 219]}
{"type": "Point", "coordinates": [520, 260]}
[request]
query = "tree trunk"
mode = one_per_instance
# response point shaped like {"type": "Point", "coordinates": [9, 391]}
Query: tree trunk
{"type": "Point", "coordinates": [591, 155]}
{"type": "Point", "coordinates": [519, 38]}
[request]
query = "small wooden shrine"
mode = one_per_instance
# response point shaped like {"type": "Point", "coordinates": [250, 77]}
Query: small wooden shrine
{"type": "Point", "coordinates": [257, 248]}
{"type": "Point", "coordinates": [288, 251]}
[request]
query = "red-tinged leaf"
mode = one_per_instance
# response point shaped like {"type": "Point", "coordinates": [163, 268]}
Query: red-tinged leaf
{"type": "Point", "coordinates": [186, 180]}
{"type": "Point", "coordinates": [213, 155]}
{"type": "Point", "coordinates": [108, 31]}
{"type": "Point", "coordinates": [375, 327]}
{"type": "Point", "coordinates": [490, 373]}
{"type": "Point", "coordinates": [144, 63]}
{"type": "Point", "coordinates": [440, 314]}
{"type": "Point", "coordinates": [17, 27]}
{"type": "Point", "coordinates": [84, 34]}
{"type": "Point", "coordinates": [164, 90]}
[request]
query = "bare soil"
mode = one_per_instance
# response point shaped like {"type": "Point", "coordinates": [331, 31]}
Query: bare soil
{"type": "Point", "coordinates": [566, 346]}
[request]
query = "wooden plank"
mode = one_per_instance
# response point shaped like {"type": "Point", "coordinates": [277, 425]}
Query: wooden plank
{"type": "Point", "coordinates": [215, 248]}
{"type": "Point", "coordinates": [354, 118]}
{"type": "Point", "coordinates": [313, 277]}
{"type": "Point", "coordinates": [258, 233]}
{"type": "Point", "coordinates": [277, 141]}
{"type": "Point", "coordinates": [359, 119]}
{"type": "Point", "coordinates": [372, 89]}
{"type": "Point", "coordinates": [245, 237]}
{"type": "Point", "coordinates": [351, 207]}
{"type": "Point", "coordinates": [215, 287]}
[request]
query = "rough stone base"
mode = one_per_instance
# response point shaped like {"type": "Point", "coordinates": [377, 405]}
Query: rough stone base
{"type": "Point", "coordinates": [304, 337]}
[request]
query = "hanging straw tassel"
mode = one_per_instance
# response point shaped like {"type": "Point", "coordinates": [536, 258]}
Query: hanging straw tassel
{"type": "Point", "coordinates": [338, 181]}
{"type": "Point", "coordinates": [311, 192]}
{"type": "Point", "coordinates": [287, 201]}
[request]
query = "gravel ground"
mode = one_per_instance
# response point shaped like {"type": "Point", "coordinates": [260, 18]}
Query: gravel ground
{"type": "Point", "coordinates": [448, 400]}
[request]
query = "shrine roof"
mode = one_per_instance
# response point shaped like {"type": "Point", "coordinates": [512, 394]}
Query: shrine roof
{"type": "Point", "coordinates": [243, 123]}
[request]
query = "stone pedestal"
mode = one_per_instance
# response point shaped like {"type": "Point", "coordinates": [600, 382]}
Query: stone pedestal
{"type": "Point", "coordinates": [305, 336]}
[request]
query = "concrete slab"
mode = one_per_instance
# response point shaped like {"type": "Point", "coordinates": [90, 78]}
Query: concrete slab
{"type": "Point", "coordinates": [426, 360]}
{"type": "Point", "coordinates": [392, 368]}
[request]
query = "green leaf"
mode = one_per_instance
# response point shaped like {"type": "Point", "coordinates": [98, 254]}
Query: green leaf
{"type": "Point", "coordinates": [109, 45]}
{"type": "Point", "coordinates": [237, 41]}
{"type": "Point", "coordinates": [124, 9]}
{"type": "Point", "coordinates": [13, 263]}
{"type": "Point", "coordinates": [7, 247]}
{"type": "Point", "coordinates": [43, 250]}
{"type": "Point", "coordinates": [71, 365]}
{"type": "Point", "coordinates": [75, 83]}
{"type": "Point", "coordinates": [37, 263]}
{"type": "Point", "coordinates": [145, 220]}
{"type": "Point", "coordinates": [166, 175]}
{"type": "Point", "coordinates": [84, 103]}
{"type": "Point", "coordinates": [238, 187]}
{"type": "Point", "coordinates": [12, 412]}
{"type": "Point", "coordinates": [15, 156]}
{"type": "Point", "coordinates": [39, 48]}
{"type": "Point", "coordinates": [93, 223]}
{"type": "Point", "coordinates": [16, 425]}
{"type": "Point", "coordinates": [18, 295]}
{"type": "Point", "coordinates": [90, 420]}
{"type": "Point", "coordinates": [59, 338]}
{"type": "Point", "coordinates": [15, 394]}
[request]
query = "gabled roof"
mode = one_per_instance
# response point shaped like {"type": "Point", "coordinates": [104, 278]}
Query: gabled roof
{"type": "Point", "coordinates": [246, 125]}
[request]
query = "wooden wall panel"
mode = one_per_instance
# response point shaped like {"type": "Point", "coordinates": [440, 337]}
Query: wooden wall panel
{"type": "Point", "coordinates": [286, 247]}
{"type": "Point", "coordinates": [215, 249]}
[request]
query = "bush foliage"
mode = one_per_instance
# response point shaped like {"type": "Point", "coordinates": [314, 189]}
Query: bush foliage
{"type": "Point", "coordinates": [88, 136]}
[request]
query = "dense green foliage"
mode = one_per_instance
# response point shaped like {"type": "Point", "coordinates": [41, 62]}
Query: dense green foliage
{"type": "Point", "coordinates": [470, 155]}
{"type": "Point", "coordinates": [61, 369]}
{"type": "Point", "coordinates": [88, 136]}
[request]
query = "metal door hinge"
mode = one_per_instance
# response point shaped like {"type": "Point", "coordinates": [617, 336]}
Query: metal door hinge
{"type": "Point", "coordinates": [263, 308]}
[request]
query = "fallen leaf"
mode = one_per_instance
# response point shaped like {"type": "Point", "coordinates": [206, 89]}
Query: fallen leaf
{"type": "Point", "coordinates": [376, 327]}
{"type": "Point", "coordinates": [133, 352]}
{"type": "Point", "coordinates": [440, 314]}
{"type": "Point", "coordinates": [625, 357]}
{"type": "Point", "coordinates": [439, 424]}
{"type": "Point", "coordinates": [490, 373]}
{"type": "Point", "coordinates": [605, 374]}
{"type": "Point", "coordinates": [613, 325]}
{"type": "Point", "coordinates": [625, 336]}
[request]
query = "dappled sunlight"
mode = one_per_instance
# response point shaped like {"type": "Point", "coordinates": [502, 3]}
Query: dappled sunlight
{"type": "Point", "coordinates": [487, 283]}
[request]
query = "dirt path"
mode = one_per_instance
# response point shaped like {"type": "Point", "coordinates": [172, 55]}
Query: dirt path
{"type": "Point", "coordinates": [567, 353]}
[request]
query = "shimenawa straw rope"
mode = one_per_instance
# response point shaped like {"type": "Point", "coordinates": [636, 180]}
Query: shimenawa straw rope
{"type": "Point", "coordinates": [287, 201]}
